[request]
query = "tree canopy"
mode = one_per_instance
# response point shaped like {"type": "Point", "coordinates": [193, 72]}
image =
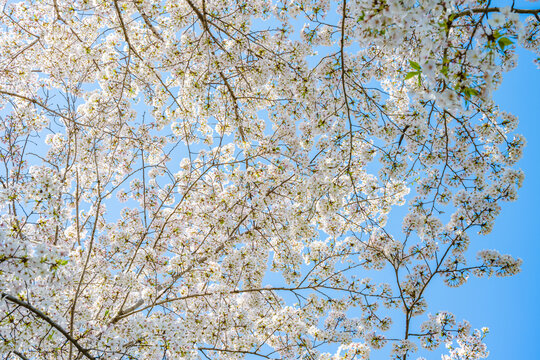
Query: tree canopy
{"type": "Point", "coordinates": [250, 179]}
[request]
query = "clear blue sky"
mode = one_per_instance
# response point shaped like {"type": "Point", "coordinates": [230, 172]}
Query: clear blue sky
{"type": "Point", "coordinates": [510, 306]}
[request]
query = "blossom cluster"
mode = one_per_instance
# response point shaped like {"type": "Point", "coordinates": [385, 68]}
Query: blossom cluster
{"type": "Point", "coordinates": [207, 179]}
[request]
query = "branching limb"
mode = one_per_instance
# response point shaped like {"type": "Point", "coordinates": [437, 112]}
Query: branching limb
{"type": "Point", "coordinates": [50, 321]}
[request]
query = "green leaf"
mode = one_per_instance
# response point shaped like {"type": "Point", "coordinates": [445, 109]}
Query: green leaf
{"type": "Point", "coordinates": [468, 92]}
{"type": "Point", "coordinates": [415, 65]}
{"type": "Point", "coordinates": [504, 42]}
{"type": "Point", "coordinates": [411, 74]}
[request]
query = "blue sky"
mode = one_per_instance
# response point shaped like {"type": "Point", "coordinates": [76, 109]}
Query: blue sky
{"type": "Point", "coordinates": [509, 306]}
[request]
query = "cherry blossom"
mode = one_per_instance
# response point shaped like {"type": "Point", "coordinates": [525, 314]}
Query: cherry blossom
{"type": "Point", "coordinates": [219, 179]}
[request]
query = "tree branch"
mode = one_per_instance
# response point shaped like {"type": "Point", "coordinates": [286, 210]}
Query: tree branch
{"type": "Point", "coordinates": [20, 355]}
{"type": "Point", "coordinates": [51, 322]}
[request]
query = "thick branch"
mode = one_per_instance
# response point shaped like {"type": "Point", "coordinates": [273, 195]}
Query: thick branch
{"type": "Point", "coordinates": [343, 84]}
{"type": "Point", "coordinates": [147, 21]}
{"type": "Point", "coordinates": [20, 355]}
{"type": "Point", "coordinates": [50, 321]}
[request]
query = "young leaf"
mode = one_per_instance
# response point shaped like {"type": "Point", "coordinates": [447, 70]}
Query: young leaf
{"type": "Point", "coordinates": [468, 92]}
{"type": "Point", "coordinates": [411, 74]}
{"type": "Point", "coordinates": [504, 42]}
{"type": "Point", "coordinates": [415, 65]}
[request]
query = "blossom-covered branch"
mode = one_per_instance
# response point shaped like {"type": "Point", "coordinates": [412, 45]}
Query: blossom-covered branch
{"type": "Point", "coordinates": [205, 179]}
